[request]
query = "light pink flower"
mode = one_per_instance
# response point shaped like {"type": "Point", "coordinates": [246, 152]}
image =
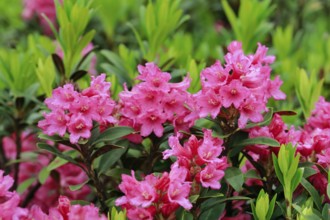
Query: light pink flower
{"type": "Point", "coordinates": [178, 193]}
{"type": "Point", "coordinates": [233, 93]}
{"type": "Point", "coordinates": [79, 126]}
{"type": "Point", "coordinates": [55, 122]}
{"type": "Point", "coordinates": [210, 176]}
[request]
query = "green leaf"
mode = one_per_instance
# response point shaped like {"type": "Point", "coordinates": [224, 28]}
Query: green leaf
{"type": "Point", "coordinates": [58, 161]}
{"type": "Point", "coordinates": [113, 133]}
{"type": "Point", "coordinates": [277, 169]}
{"type": "Point", "coordinates": [193, 198]}
{"type": "Point", "coordinates": [107, 160]}
{"type": "Point", "coordinates": [267, 119]}
{"type": "Point", "coordinates": [79, 186]}
{"type": "Point", "coordinates": [313, 192]}
{"type": "Point", "coordinates": [259, 141]}
{"type": "Point", "coordinates": [25, 185]}
{"type": "Point", "coordinates": [104, 150]}
{"type": "Point", "coordinates": [43, 175]}
{"type": "Point", "coordinates": [271, 207]}
{"type": "Point", "coordinates": [58, 153]}
{"type": "Point", "coordinates": [235, 178]}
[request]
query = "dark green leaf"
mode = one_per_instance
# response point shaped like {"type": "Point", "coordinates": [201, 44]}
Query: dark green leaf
{"type": "Point", "coordinates": [113, 133]}
{"type": "Point", "coordinates": [79, 202]}
{"type": "Point", "coordinates": [78, 75]}
{"type": "Point", "coordinates": [325, 211]}
{"type": "Point", "coordinates": [58, 63]}
{"type": "Point", "coordinates": [259, 141]}
{"type": "Point", "coordinates": [25, 185]}
{"type": "Point", "coordinates": [58, 153]}
{"type": "Point", "coordinates": [79, 186]}
{"type": "Point", "coordinates": [235, 178]}
{"type": "Point", "coordinates": [104, 150]}
{"type": "Point", "coordinates": [313, 192]}
{"type": "Point", "coordinates": [107, 160]}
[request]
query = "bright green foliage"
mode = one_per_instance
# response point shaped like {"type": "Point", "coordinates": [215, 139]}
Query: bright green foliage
{"type": "Point", "coordinates": [308, 90]}
{"type": "Point", "coordinates": [18, 78]}
{"type": "Point", "coordinates": [73, 17]}
{"type": "Point", "coordinates": [263, 209]}
{"type": "Point", "coordinates": [158, 21]}
{"type": "Point", "coordinates": [251, 24]}
{"type": "Point", "coordinates": [116, 215]}
{"type": "Point", "coordinates": [288, 173]}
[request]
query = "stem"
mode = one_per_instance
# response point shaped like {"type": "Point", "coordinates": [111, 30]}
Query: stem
{"type": "Point", "coordinates": [30, 195]}
{"type": "Point", "coordinates": [101, 195]}
{"type": "Point", "coordinates": [3, 158]}
{"type": "Point", "coordinates": [18, 143]}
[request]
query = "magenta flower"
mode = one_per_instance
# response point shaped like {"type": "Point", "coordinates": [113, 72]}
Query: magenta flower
{"type": "Point", "coordinates": [233, 93]}
{"type": "Point", "coordinates": [250, 109]}
{"type": "Point", "coordinates": [211, 148]}
{"type": "Point", "coordinates": [210, 103]}
{"type": "Point", "coordinates": [8, 200]}
{"type": "Point", "coordinates": [176, 149]}
{"type": "Point", "coordinates": [210, 176]}
{"type": "Point", "coordinates": [79, 126]}
{"type": "Point", "coordinates": [62, 97]}
{"type": "Point", "coordinates": [55, 122]}
{"type": "Point", "coordinates": [86, 107]}
{"type": "Point", "coordinates": [214, 76]}
{"type": "Point", "coordinates": [178, 193]}
{"type": "Point", "coordinates": [98, 87]}
{"type": "Point", "coordinates": [155, 78]}
{"type": "Point", "coordinates": [151, 121]}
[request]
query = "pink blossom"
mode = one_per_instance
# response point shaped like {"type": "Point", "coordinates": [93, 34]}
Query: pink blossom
{"type": "Point", "coordinates": [210, 176]}
{"type": "Point", "coordinates": [140, 214]}
{"type": "Point", "coordinates": [151, 121]}
{"type": "Point", "coordinates": [62, 97]}
{"type": "Point", "coordinates": [86, 107]}
{"type": "Point", "coordinates": [176, 149]}
{"type": "Point", "coordinates": [178, 193]}
{"type": "Point", "coordinates": [36, 8]}
{"type": "Point", "coordinates": [8, 200]}
{"type": "Point", "coordinates": [214, 76]}
{"type": "Point", "coordinates": [211, 147]}
{"type": "Point", "coordinates": [210, 103]}
{"type": "Point", "coordinates": [154, 77]}
{"type": "Point", "coordinates": [79, 126]}
{"type": "Point", "coordinates": [250, 110]}
{"type": "Point", "coordinates": [55, 122]}
{"type": "Point", "coordinates": [98, 87]}
{"type": "Point", "coordinates": [273, 89]}
{"type": "Point", "coordinates": [233, 93]}
{"type": "Point", "coordinates": [87, 212]}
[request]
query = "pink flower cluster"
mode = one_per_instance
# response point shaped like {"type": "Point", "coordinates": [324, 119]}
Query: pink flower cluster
{"type": "Point", "coordinates": [163, 194]}
{"type": "Point", "coordinates": [35, 8]}
{"type": "Point", "coordinates": [8, 200]}
{"type": "Point", "coordinates": [155, 101]}
{"type": "Point", "coordinates": [9, 209]}
{"type": "Point", "coordinates": [242, 83]}
{"type": "Point", "coordinates": [200, 158]}
{"type": "Point", "coordinates": [48, 193]}
{"type": "Point", "coordinates": [74, 112]}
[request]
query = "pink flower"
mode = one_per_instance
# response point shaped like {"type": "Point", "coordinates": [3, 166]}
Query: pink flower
{"type": "Point", "coordinates": [8, 200]}
{"type": "Point", "coordinates": [151, 121]}
{"type": "Point", "coordinates": [154, 77]}
{"type": "Point", "coordinates": [211, 147]}
{"type": "Point", "coordinates": [233, 93]}
{"type": "Point", "coordinates": [55, 122]}
{"type": "Point", "coordinates": [274, 89]}
{"type": "Point", "coordinates": [210, 176]}
{"type": "Point", "coordinates": [176, 149]}
{"type": "Point", "coordinates": [86, 107]}
{"type": "Point", "coordinates": [214, 76]}
{"type": "Point", "coordinates": [62, 97]}
{"type": "Point", "coordinates": [210, 103]}
{"type": "Point", "coordinates": [87, 212]}
{"type": "Point", "coordinates": [140, 214]}
{"type": "Point", "coordinates": [178, 193]}
{"type": "Point", "coordinates": [98, 87]}
{"type": "Point", "coordinates": [35, 8]}
{"type": "Point", "coordinates": [250, 109]}
{"type": "Point", "coordinates": [79, 126]}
